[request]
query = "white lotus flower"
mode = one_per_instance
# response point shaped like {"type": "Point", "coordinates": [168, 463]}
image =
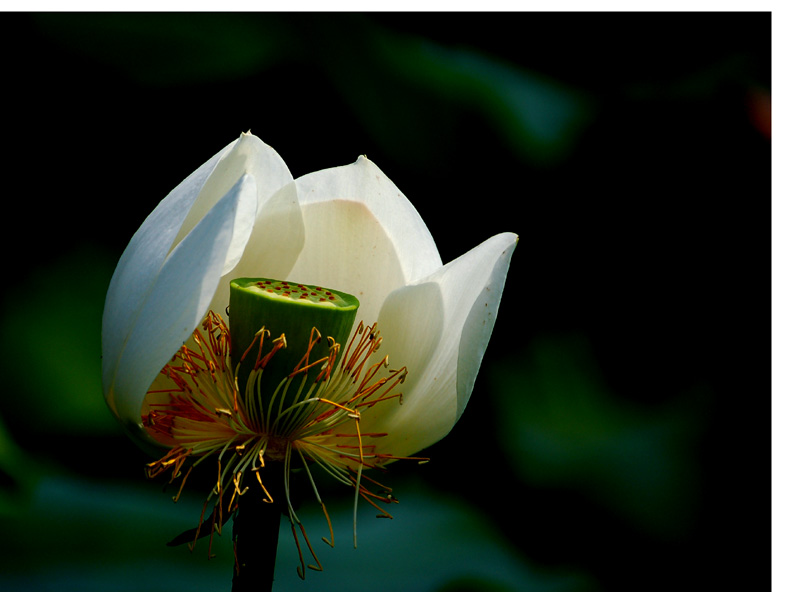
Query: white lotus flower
{"type": "Point", "coordinates": [241, 215]}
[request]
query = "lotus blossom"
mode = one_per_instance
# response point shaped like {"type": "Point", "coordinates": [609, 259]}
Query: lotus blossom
{"type": "Point", "coordinates": [169, 373]}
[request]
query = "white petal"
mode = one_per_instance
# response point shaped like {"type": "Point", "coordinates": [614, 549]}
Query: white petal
{"type": "Point", "coordinates": [490, 266]}
{"type": "Point", "coordinates": [439, 329]}
{"type": "Point", "coordinates": [143, 258]}
{"type": "Point", "coordinates": [247, 155]}
{"type": "Point", "coordinates": [362, 235]}
{"type": "Point", "coordinates": [275, 243]}
{"type": "Point", "coordinates": [172, 308]}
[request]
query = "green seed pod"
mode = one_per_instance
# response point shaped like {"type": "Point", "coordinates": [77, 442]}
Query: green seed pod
{"type": "Point", "coordinates": [288, 309]}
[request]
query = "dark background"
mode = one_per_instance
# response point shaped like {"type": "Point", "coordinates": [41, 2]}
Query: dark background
{"type": "Point", "coordinates": [618, 434]}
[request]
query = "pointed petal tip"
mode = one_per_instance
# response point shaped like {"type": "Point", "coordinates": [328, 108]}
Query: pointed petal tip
{"type": "Point", "coordinates": [503, 244]}
{"type": "Point", "coordinates": [509, 237]}
{"type": "Point", "coordinates": [362, 160]}
{"type": "Point", "coordinates": [248, 136]}
{"type": "Point", "coordinates": [255, 143]}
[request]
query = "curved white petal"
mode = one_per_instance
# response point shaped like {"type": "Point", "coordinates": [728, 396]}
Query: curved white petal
{"type": "Point", "coordinates": [275, 243]}
{"type": "Point", "coordinates": [173, 306]}
{"type": "Point", "coordinates": [142, 260]}
{"type": "Point", "coordinates": [248, 155]}
{"type": "Point", "coordinates": [439, 329]}
{"type": "Point", "coordinates": [362, 235]}
{"type": "Point", "coordinates": [277, 233]}
{"type": "Point", "coordinates": [265, 199]}
{"type": "Point", "coordinates": [493, 257]}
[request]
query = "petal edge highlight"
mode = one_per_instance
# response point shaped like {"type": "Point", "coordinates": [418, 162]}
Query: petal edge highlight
{"type": "Point", "coordinates": [173, 307]}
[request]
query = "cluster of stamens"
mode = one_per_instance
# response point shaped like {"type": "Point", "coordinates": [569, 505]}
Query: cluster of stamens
{"type": "Point", "coordinates": [210, 411]}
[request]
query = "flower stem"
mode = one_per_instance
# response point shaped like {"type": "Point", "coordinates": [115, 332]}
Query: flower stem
{"type": "Point", "coordinates": [256, 526]}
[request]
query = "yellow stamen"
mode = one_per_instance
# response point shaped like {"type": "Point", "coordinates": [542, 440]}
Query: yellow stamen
{"type": "Point", "coordinates": [210, 410]}
{"type": "Point", "coordinates": [268, 499]}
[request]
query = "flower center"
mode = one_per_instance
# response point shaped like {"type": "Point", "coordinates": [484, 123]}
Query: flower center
{"type": "Point", "coordinates": [256, 399]}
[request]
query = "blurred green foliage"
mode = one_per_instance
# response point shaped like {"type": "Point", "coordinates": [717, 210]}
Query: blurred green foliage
{"type": "Point", "coordinates": [562, 427]}
{"type": "Point", "coordinates": [80, 534]}
{"type": "Point", "coordinates": [536, 117]}
{"type": "Point", "coordinates": [54, 315]}
{"type": "Point", "coordinates": [399, 92]}
{"type": "Point", "coordinates": [17, 480]}
{"type": "Point", "coordinates": [171, 49]}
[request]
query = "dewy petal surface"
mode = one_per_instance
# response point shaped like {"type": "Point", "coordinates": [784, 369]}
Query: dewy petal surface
{"type": "Point", "coordinates": [175, 304]}
{"type": "Point", "coordinates": [362, 235]}
{"type": "Point", "coordinates": [439, 328]}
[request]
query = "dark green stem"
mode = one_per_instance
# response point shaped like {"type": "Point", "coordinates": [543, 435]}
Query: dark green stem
{"type": "Point", "coordinates": [256, 526]}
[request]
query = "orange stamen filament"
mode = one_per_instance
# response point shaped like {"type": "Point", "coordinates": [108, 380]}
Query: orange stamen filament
{"type": "Point", "coordinates": [206, 413]}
